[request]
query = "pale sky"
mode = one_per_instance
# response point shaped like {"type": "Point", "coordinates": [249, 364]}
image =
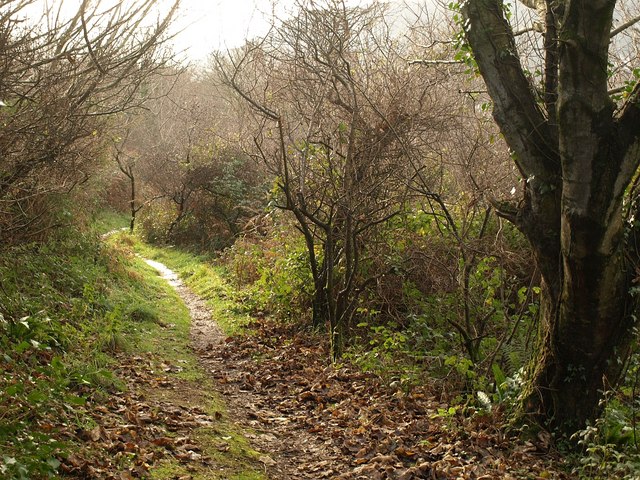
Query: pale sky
{"type": "Point", "coordinates": [209, 25]}
{"type": "Point", "coordinates": [204, 25]}
{"type": "Point", "coordinates": [220, 24]}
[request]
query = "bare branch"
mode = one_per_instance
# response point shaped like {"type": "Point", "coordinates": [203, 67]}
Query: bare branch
{"type": "Point", "coordinates": [625, 26]}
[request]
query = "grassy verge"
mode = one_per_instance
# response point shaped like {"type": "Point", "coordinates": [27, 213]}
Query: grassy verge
{"type": "Point", "coordinates": [105, 221]}
{"type": "Point", "coordinates": [57, 328]}
{"type": "Point", "coordinates": [204, 279]}
{"type": "Point", "coordinates": [72, 313]}
{"type": "Point", "coordinates": [165, 340]}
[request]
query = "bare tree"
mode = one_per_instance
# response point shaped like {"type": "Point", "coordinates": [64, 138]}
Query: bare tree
{"type": "Point", "coordinates": [339, 121]}
{"type": "Point", "coordinates": [60, 80]}
{"type": "Point", "coordinates": [202, 186]}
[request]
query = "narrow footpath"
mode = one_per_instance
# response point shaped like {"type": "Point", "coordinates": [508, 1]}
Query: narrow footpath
{"type": "Point", "coordinates": [308, 419]}
{"type": "Point", "coordinates": [287, 451]}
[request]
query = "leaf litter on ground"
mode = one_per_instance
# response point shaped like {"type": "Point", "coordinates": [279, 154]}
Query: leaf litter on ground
{"type": "Point", "coordinates": [339, 422]}
{"type": "Point", "coordinates": [135, 429]}
{"type": "Point", "coordinates": [308, 418]}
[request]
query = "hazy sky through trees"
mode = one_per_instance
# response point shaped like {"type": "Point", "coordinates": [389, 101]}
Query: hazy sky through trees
{"type": "Point", "coordinates": [204, 26]}
{"type": "Point", "coordinates": [211, 25]}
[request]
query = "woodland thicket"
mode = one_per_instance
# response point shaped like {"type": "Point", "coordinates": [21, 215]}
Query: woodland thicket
{"type": "Point", "coordinates": [447, 193]}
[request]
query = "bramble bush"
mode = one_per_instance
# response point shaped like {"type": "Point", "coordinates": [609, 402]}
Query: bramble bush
{"type": "Point", "coordinates": [272, 274]}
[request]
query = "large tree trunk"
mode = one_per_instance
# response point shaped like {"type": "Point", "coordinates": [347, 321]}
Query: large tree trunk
{"type": "Point", "coordinates": [585, 335]}
{"type": "Point", "coordinates": [578, 158]}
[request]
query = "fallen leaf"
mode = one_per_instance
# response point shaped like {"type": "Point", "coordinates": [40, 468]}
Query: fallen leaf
{"type": "Point", "coordinates": [267, 460]}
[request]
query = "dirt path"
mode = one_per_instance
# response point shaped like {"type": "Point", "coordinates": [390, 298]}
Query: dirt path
{"type": "Point", "coordinates": [314, 420]}
{"type": "Point", "coordinates": [289, 452]}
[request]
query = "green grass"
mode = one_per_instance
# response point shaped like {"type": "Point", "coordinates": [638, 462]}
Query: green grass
{"type": "Point", "coordinates": [58, 326]}
{"type": "Point", "coordinates": [203, 278]}
{"type": "Point", "coordinates": [164, 334]}
{"type": "Point", "coordinates": [108, 220]}
{"type": "Point", "coordinates": [67, 308]}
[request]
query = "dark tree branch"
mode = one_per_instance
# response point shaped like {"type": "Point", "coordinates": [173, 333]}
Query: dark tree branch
{"type": "Point", "coordinates": [516, 111]}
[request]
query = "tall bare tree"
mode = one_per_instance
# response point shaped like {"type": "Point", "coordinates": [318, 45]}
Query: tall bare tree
{"type": "Point", "coordinates": [340, 123]}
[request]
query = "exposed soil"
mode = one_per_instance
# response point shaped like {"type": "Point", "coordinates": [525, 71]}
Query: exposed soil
{"type": "Point", "coordinates": [314, 421]}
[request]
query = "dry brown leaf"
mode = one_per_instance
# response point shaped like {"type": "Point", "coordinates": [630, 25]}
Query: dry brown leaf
{"type": "Point", "coordinates": [267, 460]}
{"type": "Point", "coordinates": [95, 434]}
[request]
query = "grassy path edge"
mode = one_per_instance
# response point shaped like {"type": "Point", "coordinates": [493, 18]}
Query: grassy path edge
{"type": "Point", "coordinates": [225, 443]}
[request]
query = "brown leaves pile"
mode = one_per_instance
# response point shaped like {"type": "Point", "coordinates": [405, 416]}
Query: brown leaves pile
{"type": "Point", "coordinates": [342, 423]}
{"type": "Point", "coordinates": [311, 420]}
{"type": "Point", "coordinates": [130, 433]}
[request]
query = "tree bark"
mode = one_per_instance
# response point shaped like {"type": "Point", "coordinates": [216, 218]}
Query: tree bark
{"type": "Point", "coordinates": [572, 211]}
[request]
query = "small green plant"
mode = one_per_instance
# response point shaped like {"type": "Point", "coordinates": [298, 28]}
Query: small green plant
{"type": "Point", "coordinates": [386, 344]}
{"type": "Point", "coordinates": [61, 318]}
{"type": "Point", "coordinates": [608, 446]}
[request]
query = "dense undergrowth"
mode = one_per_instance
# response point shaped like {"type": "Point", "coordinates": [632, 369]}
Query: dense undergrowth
{"type": "Point", "coordinates": [410, 329]}
{"type": "Point", "coordinates": [60, 318]}
{"type": "Point", "coordinates": [71, 307]}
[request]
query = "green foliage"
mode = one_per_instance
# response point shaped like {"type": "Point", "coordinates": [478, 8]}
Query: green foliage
{"type": "Point", "coordinates": [107, 220]}
{"type": "Point", "coordinates": [155, 220]}
{"type": "Point", "coordinates": [285, 283]}
{"type": "Point", "coordinates": [609, 447]}
{"type": "Point", "coordinates": [463, 366]}
{"type": "Point", "coordinates": [465, 317]}
{"type": "Point", "coordinates": [53, 302]}
{"type": "Point", "coordinates": [385, 344]}
{"type": "Point", "coordinates": [65, 307]}
{"type": "Point", "coordinates": [628, 86]}
{"type": "Point", "coordinates": [463, 52]}
{"type": "Point", "coordinates": [272, 273]}
{"type": "Point", "coordinates": [484, 307]}
{"type": "Point", "coordinates": [388, 353]}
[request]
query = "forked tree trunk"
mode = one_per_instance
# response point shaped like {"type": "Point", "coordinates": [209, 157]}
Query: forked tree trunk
{"type": "Point", "coordinates": [320, 305]}
{"type": "Point", "coordinates": [585, 332]}
{"type": "Point", "coordinates": [578, 158]}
